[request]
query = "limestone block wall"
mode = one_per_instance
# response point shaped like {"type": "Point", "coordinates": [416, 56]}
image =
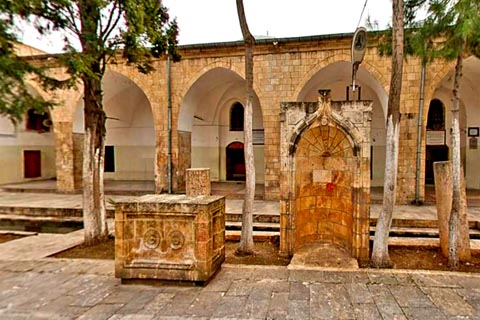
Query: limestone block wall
{"type": "Point", "coordinates": [78, 160]}
{"type": "Point", "coordinates": [324, 169]}
{"type": "Point", "coordinates": [283, 72]}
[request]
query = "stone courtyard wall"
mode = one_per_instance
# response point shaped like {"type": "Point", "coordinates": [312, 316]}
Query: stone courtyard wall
{"type": "Point", "coordinates": [281, 70]}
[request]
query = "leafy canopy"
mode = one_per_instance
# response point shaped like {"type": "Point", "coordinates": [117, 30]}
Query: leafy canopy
{"type": "Point", "coordinates": [440, 34]}
{"type": "Point", "coordinates": [16, 97]}
{"type": "Point", "coordinates": [95, 32]}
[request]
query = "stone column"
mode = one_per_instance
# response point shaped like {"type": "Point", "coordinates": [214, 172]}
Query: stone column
{"type": "Point", "coordinates": [78, 160]}
{"type": "Point", "coordinates": [64, 157]}
{"type": "Point", "coordinates": [443, 194]}
{"type": "Point", "coordinates": [198, 182]}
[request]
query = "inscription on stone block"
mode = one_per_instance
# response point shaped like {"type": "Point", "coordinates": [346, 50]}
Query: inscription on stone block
{"type": "Point", "coordinates": [322, 176]}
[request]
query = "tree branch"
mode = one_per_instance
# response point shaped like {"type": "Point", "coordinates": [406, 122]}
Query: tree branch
{"type": "Point", "coordinates": [109, 27]}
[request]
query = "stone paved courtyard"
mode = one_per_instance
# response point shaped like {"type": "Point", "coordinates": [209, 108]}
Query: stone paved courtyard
{"type": "Point", "coordinates": [86, 289]}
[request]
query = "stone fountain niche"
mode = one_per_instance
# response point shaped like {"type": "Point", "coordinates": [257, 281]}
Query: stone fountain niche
{"type": "Point", "coordinates": [325, 175]}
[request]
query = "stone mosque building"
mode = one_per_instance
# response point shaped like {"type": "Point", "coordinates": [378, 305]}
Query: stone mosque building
{"type": "Point", "coordinates": [205, 94]}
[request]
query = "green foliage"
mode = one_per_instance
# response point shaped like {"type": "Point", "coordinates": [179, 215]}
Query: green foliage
{"type": "Point", "coordinates": [440, 34]}
{"type": "Point", "coordinates": [16, 97]}
{"type": "Point", "coordinates": [138, 29]}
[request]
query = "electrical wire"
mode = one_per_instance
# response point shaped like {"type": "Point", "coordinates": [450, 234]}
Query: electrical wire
{"type": "Point", "coordinates": [361, 15]}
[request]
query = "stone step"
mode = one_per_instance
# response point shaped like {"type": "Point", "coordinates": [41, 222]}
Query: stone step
{"type": "Point", "coordinates": [234, 235]}
{"type": "Point", "coordinates": [48, 212]}
{"type": "Point", "coordinates": [18, 233]}
{"type": "Point", "coordinates": [263, 226]}
{"type": "Point", "coordinates": [268, 217]}
{"type": "Point", "coordinates": [419, 223]}
{"type": "Point", "coordinates": [15, 222]}
{"type": "Point", "coordinates": [426, 242]}
{"type": "Point", "coordinates": [421, 232]}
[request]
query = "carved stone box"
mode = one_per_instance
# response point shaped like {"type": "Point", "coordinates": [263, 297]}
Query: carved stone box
{"type": "Point", "coordinates": [169, 237]}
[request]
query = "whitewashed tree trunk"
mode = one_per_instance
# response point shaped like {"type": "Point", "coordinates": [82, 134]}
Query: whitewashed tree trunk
{"type": "Point", "coordinates": [246, 246]}
{"type": "Point", "coordinates": [101, 189]}
{"type": "Point", "coordinates": [90, 219]}
{"type": "Point", "coordinates": [94, 213]}
{"type": "Point", "coordinates": [380, 257]}
{"type": "Point", "coordinates": [453, 256]}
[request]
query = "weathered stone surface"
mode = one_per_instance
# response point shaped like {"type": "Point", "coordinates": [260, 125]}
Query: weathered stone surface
{"type": "Point", "coordinates": [169, 237]}
{"type": "Point", "coordinates": [78, 160]}
{"type": "Point", "coordinates": [443, 197]}
{"type": "Point", "coordinates": [325, 175]}
{"type": "Point", "coordinates": [198, 182]}
{"type": "Point", "coordinates": [80, 293]}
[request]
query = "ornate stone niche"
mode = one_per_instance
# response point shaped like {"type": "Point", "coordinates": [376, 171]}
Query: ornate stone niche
{"type": "Point", "coordinates": [169, 237]}
{"type": "Point", "coordinates": [325, 174]}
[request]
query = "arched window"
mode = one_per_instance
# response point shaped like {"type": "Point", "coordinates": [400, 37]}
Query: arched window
{"type": "Point", "coordinates": [436, 116]}
{"type": "Point", "coordinates": [236, 117]}
{"type": "Point", "coordinates": [38, 121]}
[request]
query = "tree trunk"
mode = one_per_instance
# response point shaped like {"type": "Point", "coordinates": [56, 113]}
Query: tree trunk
{"type": "Point", "coordinates": [246, 238]}
{"type": "Point", "coordinates": [453, 258]}
{"type": "Point", "coordinates": [380, 257]}
{"type": "Point", "coordinates": [94, 213]}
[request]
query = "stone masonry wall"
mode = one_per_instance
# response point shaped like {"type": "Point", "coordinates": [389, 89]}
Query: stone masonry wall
{"type": "Point", "coordinates": [281, 71]}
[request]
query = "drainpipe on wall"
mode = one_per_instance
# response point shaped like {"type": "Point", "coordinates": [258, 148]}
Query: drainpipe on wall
{"type": "Point", "coordinates": [169, 126]}
{"type": "Point", "coordinates": [419, 135]}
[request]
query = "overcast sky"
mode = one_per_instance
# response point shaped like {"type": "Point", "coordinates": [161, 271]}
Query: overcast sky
{"type": "Point", "coordinates": [203, 21]}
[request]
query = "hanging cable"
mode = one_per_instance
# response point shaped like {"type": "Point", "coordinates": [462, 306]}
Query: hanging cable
{"type": "Point", "coordinates": [361, 15]}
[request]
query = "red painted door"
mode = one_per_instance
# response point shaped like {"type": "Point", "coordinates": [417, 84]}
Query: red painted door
{"type": "Point", "coordinates": [235, 162]}
{"type": "Point", "coordinates": [32, 164]}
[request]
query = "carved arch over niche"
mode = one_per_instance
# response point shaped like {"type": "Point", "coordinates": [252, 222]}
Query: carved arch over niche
{"type": "Point", "coordinates": [325, 175]}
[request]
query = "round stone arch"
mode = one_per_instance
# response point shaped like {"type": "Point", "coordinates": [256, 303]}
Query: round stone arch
{"type": "Point", "coordinates": [202, 124]}
{"type": "Point", "coordinates": [333, 58]}
{"type": "Point", "coordinates": [238, 69]}
{"type": "Point", "coordinates": [131, 140]}
{"type": "Point", "coordinates": [335, 73]}
{"type": "Point", "coordinates": [436, 80]}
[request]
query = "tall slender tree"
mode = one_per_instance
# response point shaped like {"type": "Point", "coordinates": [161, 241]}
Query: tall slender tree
{"type": "Point", "coordinates": [380, 257]}
{"type": "Point", "coordinates": [246, 246]}
{"type": "Point", "coordinates": [140, 30]}
{"type": "Point", "coordinates": [452, 30]}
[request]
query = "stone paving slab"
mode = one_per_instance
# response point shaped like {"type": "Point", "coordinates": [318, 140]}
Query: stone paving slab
{"type": "Point", "coordinates": [39, 246]}
{"type": "Point", "coordinates": [74, 289]}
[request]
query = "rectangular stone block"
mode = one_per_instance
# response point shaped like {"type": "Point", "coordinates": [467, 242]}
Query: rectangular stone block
{"type": "Point", "coordinates": [198, 182]}
{"type": "Point", "coordinates": [169, 237]}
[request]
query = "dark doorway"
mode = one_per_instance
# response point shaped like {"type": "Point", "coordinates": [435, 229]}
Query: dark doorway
{"type": "Point", "coordinates": [32, 165]}
{"type": "Point", "coordinates": [235, 162]}
{"type": "Point", "coordinates": [109, 165]}
{"type": "Point", "coordinates": [434, 154]}
{"type": "Point", "coordinates": [436, 148]}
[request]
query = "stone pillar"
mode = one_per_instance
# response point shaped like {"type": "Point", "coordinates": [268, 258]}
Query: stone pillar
{"type": "Point", "coordinates": [64, 157]}
{"type": "Point", "coordinates": [442, 172]}
{"type": "Point", "coordinates": [198, 182]}
{"type": "Point", "coordinates": [78, 160]}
